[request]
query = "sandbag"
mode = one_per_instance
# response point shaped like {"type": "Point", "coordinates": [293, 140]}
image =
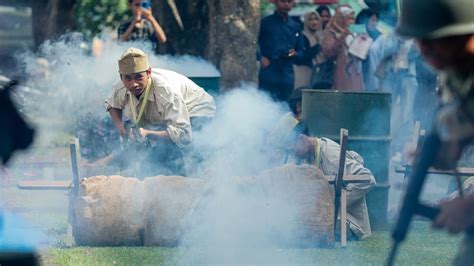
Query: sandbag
{"type": "Point", "coordinates": [109, 211]}
{"type": "Point", "coordinates": [169, 200]}
{"type": "Point", "coordinates": [288, 206]}
{"type": "Point", "coordinates": [308, 194]}
{"type": "Point", "coordinates": [116, 210]}
{"type": "Point", "coordinates": [292, 204]}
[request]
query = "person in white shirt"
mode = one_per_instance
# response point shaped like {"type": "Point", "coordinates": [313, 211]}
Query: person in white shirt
{"type": "Point", "coordinates": [162, 104]}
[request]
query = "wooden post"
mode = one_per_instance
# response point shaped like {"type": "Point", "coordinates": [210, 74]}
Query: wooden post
{"type": "Point", "coordinates": [338, 186]}
{"type": "Point", "coordinates": [75, 155]}
{"type": "Point", "coordinates": [344, 218]}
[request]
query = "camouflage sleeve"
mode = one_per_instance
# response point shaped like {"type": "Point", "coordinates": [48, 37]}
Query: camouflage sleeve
{"type": "Point", "coordinates": [455, 117]}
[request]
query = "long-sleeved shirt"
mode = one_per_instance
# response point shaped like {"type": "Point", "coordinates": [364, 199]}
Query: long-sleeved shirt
{"type": "Point", "coordinates": [326, 158]}
{"type": "Point", "coordinates": [276, 37]}
{"type": "Point", "coordinates": [174, 99]}
{"type": "Point", "coordinates": [347, 70]}
{"type": "Point", "coordinates": [146, 33]}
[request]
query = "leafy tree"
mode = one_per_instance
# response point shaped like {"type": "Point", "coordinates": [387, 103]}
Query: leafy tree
{"type": "Point", "coordinates": [95, 16]}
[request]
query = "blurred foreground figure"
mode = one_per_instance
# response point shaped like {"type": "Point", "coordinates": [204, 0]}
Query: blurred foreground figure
{"type": "Point", "coordinates": [15, 134]}
{"type": "Point", "coordinates": [446, 40]}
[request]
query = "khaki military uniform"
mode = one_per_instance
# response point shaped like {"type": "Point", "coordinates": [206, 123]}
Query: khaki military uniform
{"type": "Point", "coordinates": [455, 118]}
{"type": "Point", "coordinates": [455, 122]}
{"type": "Point", "coordinates": [173, 101]}
{"type": "Point", "coordinates": [465, 255]}
{"type": "Point", "coordinates": [326, 157]}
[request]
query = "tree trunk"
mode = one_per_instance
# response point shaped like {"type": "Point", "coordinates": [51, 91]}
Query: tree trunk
{"type": "Point", "coordinates": [51, 18]}
{"type": "Point", "coordinates": [223, 32]}
{"type": "Point", "coordinates": [193, 40]}
{"type": "Point", "coordinates": [232, 39]}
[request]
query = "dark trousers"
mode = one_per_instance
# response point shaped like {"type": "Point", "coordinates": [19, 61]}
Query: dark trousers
{"type": "Point", "coordinates": [277, 82]}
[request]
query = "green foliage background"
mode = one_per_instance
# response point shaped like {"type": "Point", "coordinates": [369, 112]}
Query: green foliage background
{"type": "Point", "coordinates": [95, 16]}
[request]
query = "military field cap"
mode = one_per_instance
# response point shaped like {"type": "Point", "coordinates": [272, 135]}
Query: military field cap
{"type": "Point", "coordinates": [434, 19]}
{"type": "Point", "coordinates": [133, 60]}
{"type": "Point", "coordinates": [282, 130]}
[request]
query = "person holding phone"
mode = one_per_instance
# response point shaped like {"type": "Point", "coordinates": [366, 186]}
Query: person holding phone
{"type": "Point", "coordinates": [143, 26]}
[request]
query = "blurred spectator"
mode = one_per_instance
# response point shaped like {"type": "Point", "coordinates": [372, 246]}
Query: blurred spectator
{"type": "Point", "coordinates": [312, 35]}
{"type": "Point", "coordinates": [325, 15]}
{"type": "Point", "coordinates": [335, 44]}
{"type": "Point", "coordinates": [426, 97]}
{"type": "Point", "coordinates": [42, 69]}
{"type": "Point", "coordinates": [369, 18]}
{"type": "Point", "coordinates": [142, 27]}
{"type": "Point", "coordinates": [397, 70]}
{"type": "Point", "coordinates": [280, 45]}
{"type": "Point", "coordinates": [97, 47]}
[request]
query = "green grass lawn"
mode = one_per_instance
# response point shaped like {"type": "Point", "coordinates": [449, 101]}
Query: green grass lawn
{"type": "Point", "coordinates": [47, 211]}
{"type": "Point", "coordinates": [423, 247]}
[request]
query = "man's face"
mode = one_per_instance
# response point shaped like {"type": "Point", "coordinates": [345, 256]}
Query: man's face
{"type": "Point", "coordinates": [325, 17]}
{"type": "Point", "coordinates": [372, 24]}
{"type": "Point", "coordinates": [348, 20]}
{"type": "Point", "coordinates": [136, 82]}
{"type": "Point", "coordinates": [300, 147]}
{"type": "Point", "coordinates": [313, 22]}
{"type": "Point", "coordinates": [135, 6]}
{"type": "Point", "coordinates": [448, 53]}
{"type": "Point", "coordinates": [284, 6]}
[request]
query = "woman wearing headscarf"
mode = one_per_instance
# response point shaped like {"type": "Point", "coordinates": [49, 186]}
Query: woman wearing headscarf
{"type": "Point", "coordinates": [325, 14]}
{"type": "Point", "coordinates": [312, 35]}
{"type": "Point", "coordinates": [335, 46]}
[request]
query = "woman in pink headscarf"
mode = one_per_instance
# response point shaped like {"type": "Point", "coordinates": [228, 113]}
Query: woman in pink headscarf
{"type": "Point", "coordinates": [313, 35]}
{"type": "Point", "coordinates": [335, 45]}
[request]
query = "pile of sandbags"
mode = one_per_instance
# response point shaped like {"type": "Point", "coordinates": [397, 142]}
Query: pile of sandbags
{"type": "Point", "coordinates": [307, 196]}
{"type": "Point", "coordinates": [116, 210]}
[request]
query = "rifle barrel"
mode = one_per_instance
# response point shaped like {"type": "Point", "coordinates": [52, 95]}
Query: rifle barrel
{"type": "Point", "coordinates": [416, 180]}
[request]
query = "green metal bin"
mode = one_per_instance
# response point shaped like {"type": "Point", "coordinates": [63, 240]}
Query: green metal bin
{"type": "Point", "coordinates": [367, 117]}
{"type": "Point", "coordinates": [208, 83]}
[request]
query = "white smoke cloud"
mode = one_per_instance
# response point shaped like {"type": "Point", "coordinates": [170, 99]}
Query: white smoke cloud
{"type": "Point", "coordinates": [67, 83]}
{"type": "Point", "coordinates": [233, 144]}
{"type": "Point", "coordinates": [227, 224]}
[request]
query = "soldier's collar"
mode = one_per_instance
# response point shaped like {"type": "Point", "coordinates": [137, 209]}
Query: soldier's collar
{"type": "Point", "coordinates": [150, 86]}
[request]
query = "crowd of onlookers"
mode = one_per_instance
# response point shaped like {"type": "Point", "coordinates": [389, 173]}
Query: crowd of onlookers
{"type": "Point", "coordinates": [332, 48]}
{"type": "Point", "coordinates": [341, 50]}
